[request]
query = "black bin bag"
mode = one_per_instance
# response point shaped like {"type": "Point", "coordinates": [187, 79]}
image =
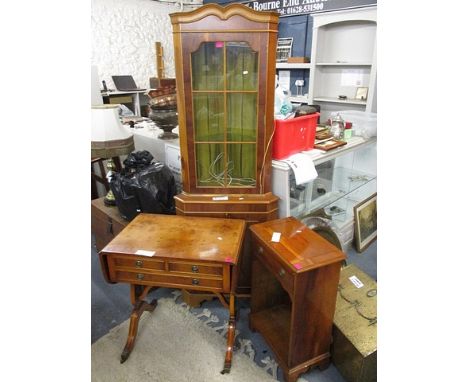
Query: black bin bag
{"type": "Point", "coordinates": [143, 186]}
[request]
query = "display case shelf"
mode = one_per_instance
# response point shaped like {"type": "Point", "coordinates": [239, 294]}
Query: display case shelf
{"type": "Point", "coordinates": [348, 202]}
{"type": "Point", "coordinates": [343, 182]}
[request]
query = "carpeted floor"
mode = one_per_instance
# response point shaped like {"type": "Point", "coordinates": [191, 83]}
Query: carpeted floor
{"type": "Point", "coordinates": [187, 350]}
{"type": "Point", "coordinates": [111, 306]}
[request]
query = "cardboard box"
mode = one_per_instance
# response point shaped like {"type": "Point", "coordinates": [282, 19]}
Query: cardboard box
{"type": "Point", "coordinates": [298, 60]}
{"type": "Point", "coordinates": [354, 349]}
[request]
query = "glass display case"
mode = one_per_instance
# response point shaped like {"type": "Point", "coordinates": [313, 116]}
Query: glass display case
{"type": "Point", "coordinates": [346, 176]}
{"type": "Point", "coordinates": [225, 72]}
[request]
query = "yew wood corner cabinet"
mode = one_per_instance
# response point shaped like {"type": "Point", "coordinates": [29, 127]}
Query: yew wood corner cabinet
{"type": "Point", "coordinates": [225, 74]}
{"type": "Point", "coordinates": [191, 253]}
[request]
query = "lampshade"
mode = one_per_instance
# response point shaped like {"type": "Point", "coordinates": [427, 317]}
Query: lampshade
{"type": "Point", "coordinates": [108, 136]}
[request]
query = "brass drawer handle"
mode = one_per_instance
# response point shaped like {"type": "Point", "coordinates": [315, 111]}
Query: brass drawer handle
{"type": "Point", "coordinates": [140, 276]}
{"type": "Point", "coordinates": [194, 268]}
{"type": "Point", "coordinates": [281, 272]}
{"type": "Point", "coordinates": [139, 263]}
{"type": "Point", "coordinates": [195, 281]}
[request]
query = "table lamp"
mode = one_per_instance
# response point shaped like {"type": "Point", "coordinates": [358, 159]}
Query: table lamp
{"type": "Point", "coordinates": [109, 139]}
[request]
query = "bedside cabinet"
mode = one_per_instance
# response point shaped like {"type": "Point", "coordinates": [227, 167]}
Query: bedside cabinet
{"type": "Point", "coordinates": [294, 293]}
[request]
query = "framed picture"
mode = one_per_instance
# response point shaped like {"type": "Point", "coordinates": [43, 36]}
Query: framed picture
{"type": "Point", "coordinates": [365, 223]}
{"type": "Point", "coordinates": [283, 49]}
{"type": "Point", "coordinates": [361, 93]}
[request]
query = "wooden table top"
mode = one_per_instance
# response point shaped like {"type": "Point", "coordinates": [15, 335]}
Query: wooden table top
{"type": "Point", "coordinates": [181, 237]}
{"type": "Point", "coordinates": [299, 248]}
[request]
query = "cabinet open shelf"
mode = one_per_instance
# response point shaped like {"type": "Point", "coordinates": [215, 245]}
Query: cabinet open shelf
{"type": "Point", "coordinates": [286, 65]}
{"type": "Point", "coordinates": [337, 100]}
{"type": "Point", "coordinates": [298, 99]}
{"type": "Point", "coordinates": [275, 324]}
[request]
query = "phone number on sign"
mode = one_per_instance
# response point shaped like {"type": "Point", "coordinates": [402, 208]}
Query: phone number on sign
{"type": "Point", "coordinates": [302, 9]}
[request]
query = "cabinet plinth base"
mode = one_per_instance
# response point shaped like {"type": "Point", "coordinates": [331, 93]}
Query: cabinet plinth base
{"type": "Point", "coordinates": [253, 208]}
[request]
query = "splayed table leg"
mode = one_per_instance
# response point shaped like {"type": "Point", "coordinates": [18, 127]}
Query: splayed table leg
{"type": "Point", "coordinates": [137, 294]}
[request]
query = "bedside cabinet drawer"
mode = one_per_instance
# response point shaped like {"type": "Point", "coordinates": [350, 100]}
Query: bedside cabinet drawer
{"type": "Point", "coordinates": [281, 272]}
{"type": "Point", "coordinates": [196, 268]}
{"type": "Point", "coordinates": [136, 263]}
{"type": "Point", "coordinates": [165, 279]}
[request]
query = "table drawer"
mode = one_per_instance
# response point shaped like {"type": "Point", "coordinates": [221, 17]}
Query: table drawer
{"type": "Point", "coordinates": [165, 279]}
{"type": "Point", "coordinates": [196, 268]}
{"type": "Point", "coordinates": [137, 262]}
{"type": "Point", "coordinates": [282, 273]}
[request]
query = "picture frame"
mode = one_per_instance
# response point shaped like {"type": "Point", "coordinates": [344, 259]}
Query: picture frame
{"type": "Point", "coordinates": [328, 144]}
{"type": "Point", "coordinates": [365, 222]}
{"type": "Point", "coordinates": [361, 93]}
{"type": "Point", "coordinates": [283, 49]}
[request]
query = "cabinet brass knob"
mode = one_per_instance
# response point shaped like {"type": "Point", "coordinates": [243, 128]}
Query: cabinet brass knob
{"type": "Point", "coordinates": [140, 276]}
{"type": "Point", "coordinates": [194, 268]}
{"type": "Point", "coordinates": [260, 249]}
{"type": "Point", "coordinates": [281, 272]}
{"type": "Point", "coordinates": [195, 281]}
{"type": "Point", "coordinates": [139, 263]}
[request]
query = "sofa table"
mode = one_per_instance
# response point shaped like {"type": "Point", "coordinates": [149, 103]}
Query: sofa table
{"type": "Point", "coordinates": [194, 253]}
{"type": "Point", "coordinates": [294, 293]}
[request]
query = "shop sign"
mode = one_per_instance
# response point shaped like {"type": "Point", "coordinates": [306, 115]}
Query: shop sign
{"type": "Point", "coordinates": [301, 7]}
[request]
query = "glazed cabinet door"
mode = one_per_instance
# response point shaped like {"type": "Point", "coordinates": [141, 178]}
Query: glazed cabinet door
{"type": "Point", "coordinates": [225, 113]}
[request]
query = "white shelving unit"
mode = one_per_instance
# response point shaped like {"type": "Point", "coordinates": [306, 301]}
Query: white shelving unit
{"type": "Point", "coordinates": [343, 58]}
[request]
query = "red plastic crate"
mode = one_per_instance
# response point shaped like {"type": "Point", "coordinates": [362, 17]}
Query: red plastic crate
{"type": "Point", "coordinates": [294, 135]}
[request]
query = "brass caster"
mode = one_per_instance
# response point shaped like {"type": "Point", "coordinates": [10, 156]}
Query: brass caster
{"type": "Point", "coordinates": [124, 356]}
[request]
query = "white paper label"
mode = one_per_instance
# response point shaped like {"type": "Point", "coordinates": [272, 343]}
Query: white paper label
{"type": "Point", "coordinates": [284, 79]}
{"type": "Point", "coordinates": [303, 167]}
{"type": "Point", "coordinates": [142, 252]}
{"type": "Point", "coordinates": [357, 283]}
{"type": "Point", "coordinates": [276, 237]}
{"type": "Point", "coordinates": [220, 198]}
{"type": "Point", "coordinates": [352, 77]}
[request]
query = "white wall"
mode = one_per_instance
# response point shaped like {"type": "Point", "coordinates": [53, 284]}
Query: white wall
{"type": "Point", "coordinates": [123, 37]}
